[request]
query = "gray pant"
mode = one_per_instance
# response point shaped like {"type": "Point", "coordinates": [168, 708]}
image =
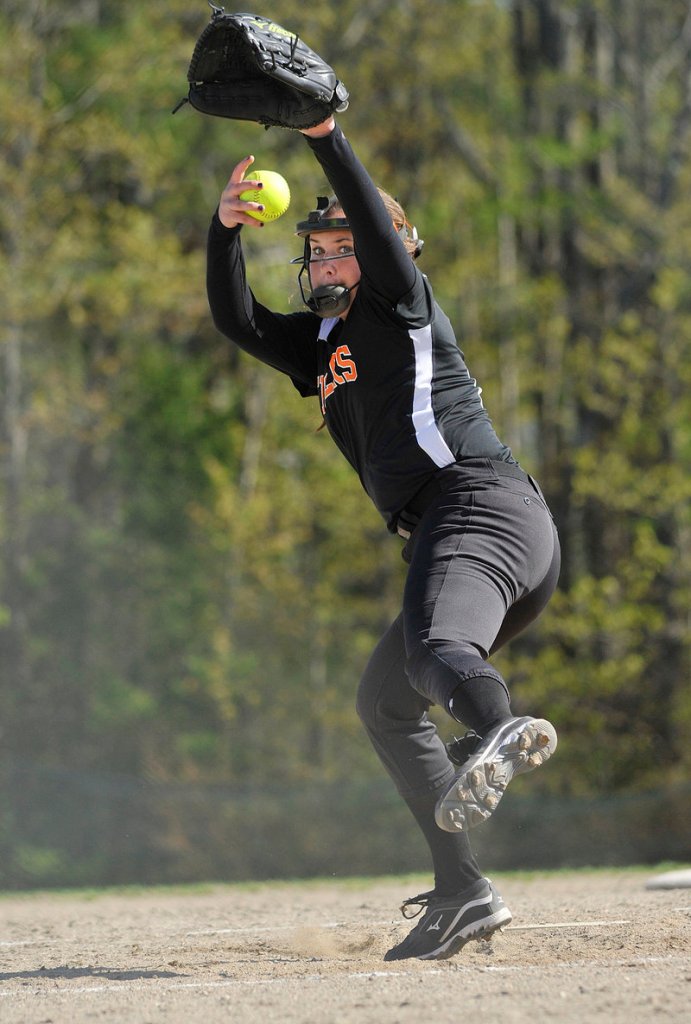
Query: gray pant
{"type": "Point", "coordinates": [484, 560]}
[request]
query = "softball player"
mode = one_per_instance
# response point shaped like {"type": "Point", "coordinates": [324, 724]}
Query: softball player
{"type": "Point", "coordinates": [399, 402]}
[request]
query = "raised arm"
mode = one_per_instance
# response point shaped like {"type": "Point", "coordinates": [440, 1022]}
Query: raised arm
{"type": "Point", "coordinates": [380, 251]}
{"type": "Point", "coordinates": [284, 341]}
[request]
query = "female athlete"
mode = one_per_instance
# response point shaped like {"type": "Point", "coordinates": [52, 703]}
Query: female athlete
{"type": "Point", "coordinates": [483, 554]}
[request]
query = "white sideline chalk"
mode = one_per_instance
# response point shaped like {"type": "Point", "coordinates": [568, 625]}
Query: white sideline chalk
{"type": "Point", "coordinates": [389, 923]}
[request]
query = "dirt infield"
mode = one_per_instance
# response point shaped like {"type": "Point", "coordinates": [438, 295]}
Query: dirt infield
{"type": "Point", "coordinates": [583, 947]}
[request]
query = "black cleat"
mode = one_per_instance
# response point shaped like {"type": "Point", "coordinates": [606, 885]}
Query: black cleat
{"type": "Point", "coordinates": [516, 746]}
{"type": "Point", "coordinates": [449, 922]}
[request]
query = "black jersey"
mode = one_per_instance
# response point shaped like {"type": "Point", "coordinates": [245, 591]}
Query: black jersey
{"type": "Point", "coordinates": [394, 389]}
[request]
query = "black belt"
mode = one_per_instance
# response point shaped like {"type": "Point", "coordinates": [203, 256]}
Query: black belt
{"type": "Point", "coordinates": [409, 517]}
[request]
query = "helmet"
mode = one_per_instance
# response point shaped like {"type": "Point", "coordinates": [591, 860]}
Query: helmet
{"type": "Point", "coordinates": [316, 221]}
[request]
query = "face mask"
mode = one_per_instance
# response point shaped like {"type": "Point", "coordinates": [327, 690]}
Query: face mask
{"type": "Point", "coordinates": [329, 299]}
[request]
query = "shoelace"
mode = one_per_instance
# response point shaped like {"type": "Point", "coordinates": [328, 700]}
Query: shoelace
{"type": "Point", "coordinates": [422, 902]}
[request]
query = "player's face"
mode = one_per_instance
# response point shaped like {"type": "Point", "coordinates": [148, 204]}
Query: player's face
{"type": "Point", "coordinates": [332, 259]}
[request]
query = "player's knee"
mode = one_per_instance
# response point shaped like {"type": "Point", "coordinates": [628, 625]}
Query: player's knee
{"type": "Point", "coordinates": [366, 703]}
{"type": "Point", "coordinates": [436, 667]}
{"type": "Point", "coordinates": [385, 709]}
{"type": "Point", "coordinates": [375, 709]}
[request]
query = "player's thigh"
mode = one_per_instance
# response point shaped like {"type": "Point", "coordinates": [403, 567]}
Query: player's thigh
{"type": "Point", "coordinates": [453, 591]}
{"type": "Point", "coordinates": [474, 556]}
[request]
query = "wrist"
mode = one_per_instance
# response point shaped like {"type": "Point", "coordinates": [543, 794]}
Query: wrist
{"type": "Point", "coordinates": [320, 131]}
{"type": "Point", "coordinates": [218, 224]}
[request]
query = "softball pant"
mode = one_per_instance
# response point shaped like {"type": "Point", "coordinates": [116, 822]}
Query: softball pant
{"type": "Point", "coordinates": [484, 560]}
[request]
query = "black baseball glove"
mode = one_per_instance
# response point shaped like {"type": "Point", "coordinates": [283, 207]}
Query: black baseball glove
{"type": "Point", "coordinates": [248, 68]}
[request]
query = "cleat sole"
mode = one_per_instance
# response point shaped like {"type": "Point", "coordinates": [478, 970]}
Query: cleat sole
{"type": "Point", "coordinates": [513, 748]}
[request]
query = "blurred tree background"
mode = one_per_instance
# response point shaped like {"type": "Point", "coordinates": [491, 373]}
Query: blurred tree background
{"type": "Point", "coordinates": [190, 577]}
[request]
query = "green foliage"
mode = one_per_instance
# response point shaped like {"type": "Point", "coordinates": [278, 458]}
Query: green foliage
{"type": "Point", "coordinates": [191, 579]}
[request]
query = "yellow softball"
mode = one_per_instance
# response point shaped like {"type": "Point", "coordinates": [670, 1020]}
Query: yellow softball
{"type": "Point", "coordinates": [274, 196]}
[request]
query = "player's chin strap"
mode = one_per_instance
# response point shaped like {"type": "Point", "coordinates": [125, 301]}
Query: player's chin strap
{"type": "Point", "coordinates": [327, 299]}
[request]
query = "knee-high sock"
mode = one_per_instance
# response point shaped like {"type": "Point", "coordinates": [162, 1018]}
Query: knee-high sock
{"type": "Point", "coordinates": [480, 703]}
{"type": "Point", "coordinates": [453, 861]}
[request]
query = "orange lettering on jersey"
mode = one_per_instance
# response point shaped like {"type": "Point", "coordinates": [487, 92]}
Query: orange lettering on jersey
{"type": "Point", "coordinates": [346, 364]}
{"type": "Point", "coordinates": [328, 382]}
{"type": "Point", "coordinates": [337, 379]}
